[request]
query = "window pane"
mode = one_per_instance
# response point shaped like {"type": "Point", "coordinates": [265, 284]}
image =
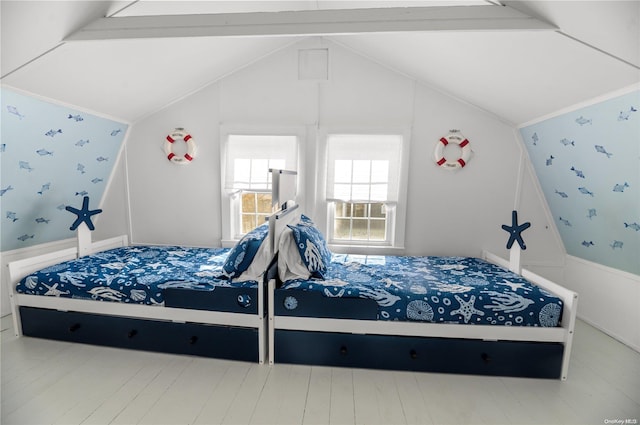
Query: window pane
{"type": "Point", "coordinates": [242, 170]}
{"type": "Point", "coordinates": [277, 163]}
{"type": "Point", "coordinates": [342, 191]}
{"type": "Point", "coordinates": [342, 172]}
{"type": "Point", "coordinates": [248, 223]}
{"type": "Point", "coordinates": [343, 209]}
{"type": "Point", "coordinates": [378, 230]}
{"type": "Point", "coordinates": [361, 171]}
{"type": "Point", "coordinates": [264, 203]}
{"type": "Point", "coordinates": [261, 219]}
{"type": "Point", "coordinates": [360, 229]}
{"type": "Point", "coordinates": [341, 230]}
{"type": "Point", "coordinates": [259, 172]}
{"type": "Point", "coordinates": [379, 171]}
{"type": "Point", "coordinates": [248, 202]}
{"type": "Point", "coordinates": [360, 192]}
{"type": "Point", "coordinates": [378, 211]}
{"type": "Point", "coordinates": [360, 210]}
{"type": "Point", "coordinates": [378, 192]}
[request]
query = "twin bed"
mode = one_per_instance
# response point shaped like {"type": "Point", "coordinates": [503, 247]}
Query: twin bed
{"type": "Point", "coordinates": [159, 298]}
{"type": "Point", "coordinates": [280, 295]}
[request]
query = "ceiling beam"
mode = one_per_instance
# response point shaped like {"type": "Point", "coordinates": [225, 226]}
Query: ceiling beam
{"type": "Point", "coordinates": [312, 22]}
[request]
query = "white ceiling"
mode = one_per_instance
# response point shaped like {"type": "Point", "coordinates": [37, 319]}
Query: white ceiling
{"type": "Point", "coordinates": [516, 75]}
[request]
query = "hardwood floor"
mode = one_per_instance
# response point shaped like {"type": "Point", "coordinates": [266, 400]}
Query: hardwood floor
{"type": "Point", "coordinates": [51, 382]}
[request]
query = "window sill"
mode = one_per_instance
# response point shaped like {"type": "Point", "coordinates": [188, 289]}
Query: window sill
{"type": "Point", "coordinates": [229, 243]}
{"type": "Point", "coordinates": [366, 249]}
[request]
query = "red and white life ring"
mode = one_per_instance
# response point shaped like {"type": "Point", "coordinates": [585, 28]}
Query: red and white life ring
{"type": "Point", "coordinates": [180, 134]}
{"type": "Point", "coordinates": [455, 137]}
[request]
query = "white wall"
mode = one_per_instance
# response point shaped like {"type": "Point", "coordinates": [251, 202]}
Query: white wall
{"type": "Point", "coordinates": [609, 298]}
{"type": "Point", "coordinates": [448, 212]}
{"type": "Point", "coordinates": [176, 204]}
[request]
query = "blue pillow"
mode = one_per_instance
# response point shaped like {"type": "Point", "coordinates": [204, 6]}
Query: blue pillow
{"type": "Point", "coordinates": [312, 246]}
{"type": "Point", "coordinates": [241, 256]}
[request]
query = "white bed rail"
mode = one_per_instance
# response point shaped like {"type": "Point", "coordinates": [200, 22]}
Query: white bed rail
{"type": "Point", "coordinates": [569, 301]}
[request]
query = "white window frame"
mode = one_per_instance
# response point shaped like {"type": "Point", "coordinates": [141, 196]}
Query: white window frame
{"type": "Point", "coordinates": [390, 225]}
{"type": "Point", "coordinates": [396, 212]}
{"type": "Point", "coordinates": [231, 200]}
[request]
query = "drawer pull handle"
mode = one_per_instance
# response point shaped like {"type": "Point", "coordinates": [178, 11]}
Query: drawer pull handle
{"type": "Point", "coordinates": [343, 350]}
{"type": "Point", "coordinates": [413, 354]}
{"type": "Point", "coordinates": [485, 358]}
{"type": "Point", "coordinates": [74, 327]}
{"type": "Point", "coordinates": [132, 333]}
{"type": "Point", "coordinates": [193, 340]}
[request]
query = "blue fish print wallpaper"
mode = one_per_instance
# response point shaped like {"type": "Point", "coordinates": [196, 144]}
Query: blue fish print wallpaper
{"type": "Point", "coordinates": [51, 157]}
{"type": "Point", "coordinates": [588, 164]}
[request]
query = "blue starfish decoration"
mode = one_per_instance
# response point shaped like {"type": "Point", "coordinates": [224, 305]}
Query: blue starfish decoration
{"type": "Point", "coordinates": [84, 214]}
{"type": "Point", "coordinates": [515, 231]}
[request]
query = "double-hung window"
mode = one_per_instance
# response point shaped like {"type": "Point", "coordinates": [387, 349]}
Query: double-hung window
{"type": "Point", "coordinates": [247, 179]}
{"type": "Point", "coordinates": [363, 175]}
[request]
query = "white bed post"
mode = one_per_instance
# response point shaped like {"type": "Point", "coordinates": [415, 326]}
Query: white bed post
{"type": "Point", "coordinates": [15, 311]}
{"type": "Point", "coordinates": [272, 332]}
{"type": "Point", "coordinates": [514, 258]}
{"type": "Point", "coordinates": [262, 329]}
{"type": "Point", "coordinates": [84, 240]}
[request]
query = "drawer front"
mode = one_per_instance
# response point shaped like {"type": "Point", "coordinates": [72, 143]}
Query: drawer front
{"type": "Point", "coordinates": [140, 334]}
{"type": "Point", "coordinates": [442, 355]}
{"type": "Point", "coordinates": [232, 300]}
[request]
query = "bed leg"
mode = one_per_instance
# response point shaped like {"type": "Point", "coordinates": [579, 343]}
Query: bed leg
{"type": "Point", "coordinates": [572, 309]}
{"type": "Point", "coordinates": [15, 316]}
{"type": "Point", "coordinates": [272, 284]}
{"type": "Point", "coordinates": [262, 345]}
{"type": "Point", "coordinates": [262, 329]}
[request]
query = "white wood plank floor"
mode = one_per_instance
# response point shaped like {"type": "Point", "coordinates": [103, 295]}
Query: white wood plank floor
{"type": "Point", "coordinates": [51, 382]}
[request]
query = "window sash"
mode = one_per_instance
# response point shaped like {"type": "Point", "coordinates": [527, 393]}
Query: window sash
{"type": "Point", "coordinates": [249, 158]}
{"type": "Point", "coordinates": [363, 167]}
{"type": "Point", "coordinates": [351, 217]}
{"type": "Point", "coordinates": [258, 205]}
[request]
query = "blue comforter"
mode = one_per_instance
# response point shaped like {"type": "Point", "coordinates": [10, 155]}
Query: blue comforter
{"type": "Point", "coordinates": [437, 289]}
{"type": "Point", "coordinates": [135, 274]}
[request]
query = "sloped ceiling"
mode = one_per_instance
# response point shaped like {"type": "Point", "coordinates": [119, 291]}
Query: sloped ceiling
{"type": "Point", "coordinates": [518, 76]}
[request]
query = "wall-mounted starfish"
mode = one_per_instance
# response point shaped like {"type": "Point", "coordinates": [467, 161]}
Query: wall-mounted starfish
{"type": "Point", "coordinates": [84, 214]}
{"type": "Point", "coordinates": [515, 231]}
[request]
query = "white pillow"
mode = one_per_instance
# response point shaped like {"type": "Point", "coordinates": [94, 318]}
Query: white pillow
{"type": "Point", "coordinates": [259, 265]}
{"type": "Point", "coordinates": [290, 265]}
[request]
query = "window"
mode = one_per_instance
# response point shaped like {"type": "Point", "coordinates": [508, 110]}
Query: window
{"type": "Point", "coordinates": [255, 208]}
{"type": "Point", "coordinates": [247, 178]}
{"type": "Point", "coordinates": [360, 221]}
{"type": "Point", "coordinates": [363, 172]}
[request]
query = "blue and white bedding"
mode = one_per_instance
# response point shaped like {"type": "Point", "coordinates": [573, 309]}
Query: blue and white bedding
{"type": "Point", "coordinates": [134, 274]}
{"type": "Point", "coordinates": [436, 289]}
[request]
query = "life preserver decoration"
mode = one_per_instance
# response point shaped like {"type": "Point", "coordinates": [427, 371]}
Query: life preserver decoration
{"type": "Point", "coordinates": [177, 135]}
{"type": "Point", "coordinates": [457, 138]}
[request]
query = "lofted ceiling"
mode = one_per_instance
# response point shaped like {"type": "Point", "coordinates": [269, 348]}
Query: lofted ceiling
{"type": "Point", "coordinates": [517, 75]}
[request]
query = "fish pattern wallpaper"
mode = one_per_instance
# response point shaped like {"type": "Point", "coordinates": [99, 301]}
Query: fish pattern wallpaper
{"type": "Point", "coordinates": [51, 157]}
{"type": "Point", "coordinates": [588, 165]}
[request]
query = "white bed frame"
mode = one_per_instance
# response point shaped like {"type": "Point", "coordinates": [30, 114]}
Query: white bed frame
{"type": "Point", "coordinates": [562, 334]}
{"type": "Point", "coordinates": [21, 268]}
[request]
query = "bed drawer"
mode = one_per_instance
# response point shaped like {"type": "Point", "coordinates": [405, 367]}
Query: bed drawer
{"type": "Point", "coordinates": [231, 300]}
{"type": "Point", "coordinates": [442, 355]}
{"type": "Point", "coordinates": [314, 304]}
{"type": "Point", "coordinates": [152, 335]}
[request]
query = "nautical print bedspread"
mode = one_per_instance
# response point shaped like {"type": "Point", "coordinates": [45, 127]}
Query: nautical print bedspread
{"type": "Point", "coordinates": [134, 274]}
{"type": "Point", "coordinates": [437, 289]}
